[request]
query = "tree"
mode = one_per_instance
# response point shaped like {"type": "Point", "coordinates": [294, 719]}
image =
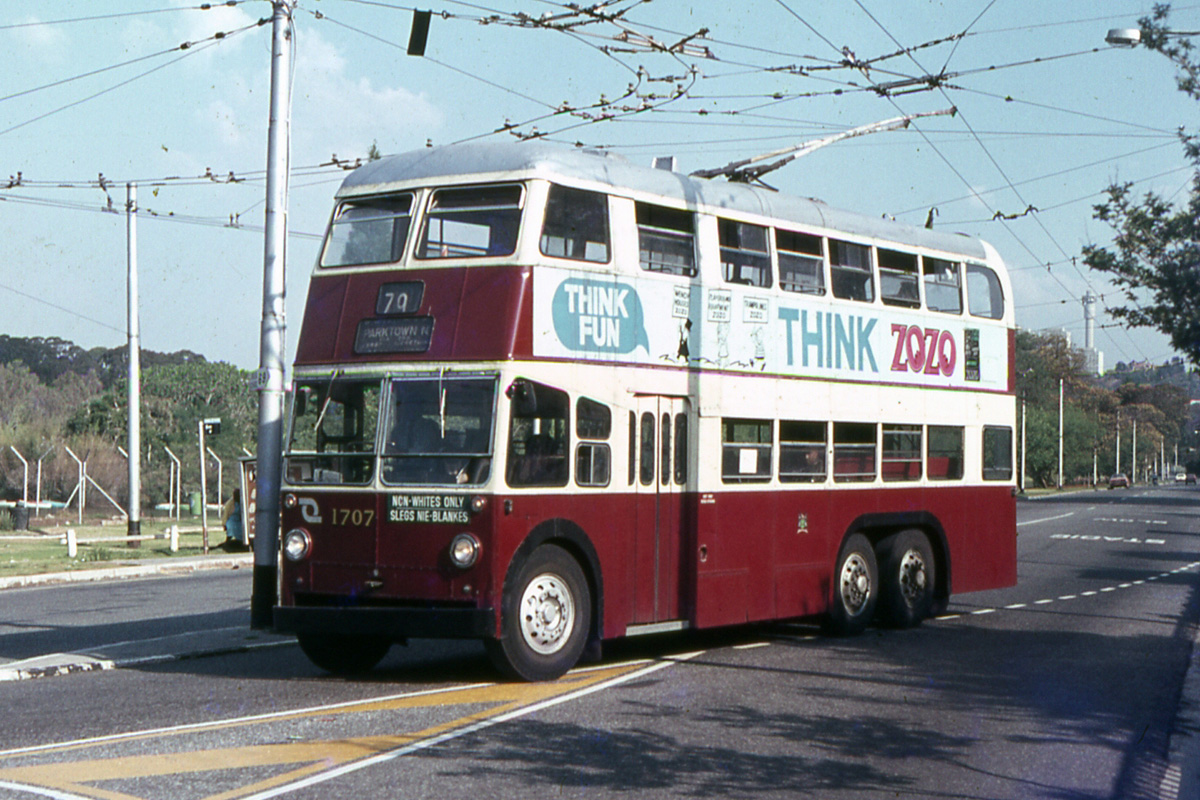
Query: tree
{"type": "Point", "coordinates": [1155, 253]}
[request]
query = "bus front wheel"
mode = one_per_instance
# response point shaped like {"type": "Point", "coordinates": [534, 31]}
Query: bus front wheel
{"type": "Point", "coordinates": [544, 618]}
{"type": "Point", "coordinates": [855, 588]}
{"type": "Point", "coordinates": [908, 579]}
{"type": "Point", "coordinates": [343, 655]}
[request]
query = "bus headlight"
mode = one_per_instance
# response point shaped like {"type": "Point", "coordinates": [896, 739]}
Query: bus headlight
{"type": "Point", "coordinates": [297, 544]}
{"type": "Point", "coordinates": [464, 550]}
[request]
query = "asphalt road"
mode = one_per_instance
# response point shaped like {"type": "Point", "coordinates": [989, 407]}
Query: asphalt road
{"type": "Point", "coordinates": [1069, 685]}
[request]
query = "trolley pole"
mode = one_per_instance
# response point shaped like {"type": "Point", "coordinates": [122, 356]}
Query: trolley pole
{"type": "Point", "coordinates": [270, 371]}
{"type": "Point", "coordinates": [134, 393]}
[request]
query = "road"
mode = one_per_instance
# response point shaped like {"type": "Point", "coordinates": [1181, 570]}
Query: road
{"type": "Point", "coordinates": [1066, 686]}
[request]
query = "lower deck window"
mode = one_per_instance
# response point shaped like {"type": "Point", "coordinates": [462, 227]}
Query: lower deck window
{"type": "Point", "coordinates": [745, 450]}
{"type": "Point", "coordinates": [997, 454]}
{"type": "Point", "coordinates": [901, 453]}
{"type": "Point", "coordinates": [801, 452]}
{"type": "Point", "coordinates": [853, 451]}
{"type": "Point", "coordinates": [539, 435]}
{"type": "Point", "coordinates": [945, 454]}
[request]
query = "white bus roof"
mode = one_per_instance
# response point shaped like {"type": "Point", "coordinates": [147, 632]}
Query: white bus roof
{"type": "Point", "coordinates": [481, 162]}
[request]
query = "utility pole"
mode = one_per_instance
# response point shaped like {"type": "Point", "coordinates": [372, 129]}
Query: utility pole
{"type": "Point", "coordinates": [271, 347]}
{"type": "Point", "coordinates": [1060, 433]}
{"type": "Point", "coordinates": [134, 389]}
{"type": "Point", "coordinates": [1133, 459]}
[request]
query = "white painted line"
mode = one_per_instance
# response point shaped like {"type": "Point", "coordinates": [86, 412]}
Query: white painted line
{"type": "Point", "coordinates": [1043, 602]}
{"type": "Point", "coordinates": [1088, 594]}
{"type": "Point", "coordinates": [984, 611]}
{"type": "Point", "coordinates": [1045, 519]}
{"type": "Point", "coordinates": [1068, 597]}
{"type": "Point", "coordinates": [392, 755]}
{"type": "Point", "coordinates": [41, 791]}
{"type": "Point", "coordinates": [1016, 605]}
{"type": "Point", "coordinates": [751, 646]}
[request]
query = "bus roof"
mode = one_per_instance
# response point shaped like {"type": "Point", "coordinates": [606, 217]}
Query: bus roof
{"type": "Point", "coordinates": [480, 162]}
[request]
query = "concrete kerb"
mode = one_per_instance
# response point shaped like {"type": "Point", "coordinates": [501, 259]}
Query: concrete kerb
{"type": "Point", "coordinates": [126, 569]}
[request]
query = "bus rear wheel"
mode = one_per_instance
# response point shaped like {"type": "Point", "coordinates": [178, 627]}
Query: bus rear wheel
{"type": "Point", "coordinates": [855, 588]}
{"type": "Point", "coordinates": [544, 618]}
{"type": "Point", "coordinates": [343, 655]}
{"type": "Point", "coordinates": [908, 579]}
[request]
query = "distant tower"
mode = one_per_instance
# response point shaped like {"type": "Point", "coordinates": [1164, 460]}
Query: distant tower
{"type": "Point", "coordinates": [1094, 358]}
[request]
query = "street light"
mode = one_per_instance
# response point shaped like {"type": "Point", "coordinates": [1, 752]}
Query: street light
{"type": "Point", "coordinates": [1124, 37]}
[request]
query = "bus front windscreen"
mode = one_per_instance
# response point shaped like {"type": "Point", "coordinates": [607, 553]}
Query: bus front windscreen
{"type": "Point", "coordinates": [439, 431]}
{"type": "Point", "coordinates": [333, 431]}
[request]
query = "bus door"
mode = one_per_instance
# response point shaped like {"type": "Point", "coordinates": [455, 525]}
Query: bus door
{"type": "Point", "coordinates": [661, 443]}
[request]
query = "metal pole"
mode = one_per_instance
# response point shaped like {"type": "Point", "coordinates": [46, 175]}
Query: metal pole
{"type": "Point", "coordinates": [25, 464]}
{"type": "Point", "coordinates": [1118, 469]}
{"type": "Point", "coordinates": [176, 488]}
{"type": "Point", "coordinates": [1024, 444]}
{"type": "Point", "coordinates": [135, 372]}
{"type": "Point", "coordinates": [1060, 433]}
{"type": "Point", "coordinates": [203, 490]}
{"type": "Point", "coordinates": [271, 348]}
{"type": "Point", "coordinates": [1133, 457]}
{"type": "Point", "coordinates": [220, 476]}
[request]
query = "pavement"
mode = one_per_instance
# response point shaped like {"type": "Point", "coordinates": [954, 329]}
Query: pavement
{"type": "Point", "coordinates": [1181, 771]}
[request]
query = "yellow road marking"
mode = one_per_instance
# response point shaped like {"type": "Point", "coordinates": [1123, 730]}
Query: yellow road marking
{"type": "Point", "coordinates": [307, 758]}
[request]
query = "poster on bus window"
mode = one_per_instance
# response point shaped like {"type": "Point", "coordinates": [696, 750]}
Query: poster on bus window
{"type": "Point", "coordinates": [664, 320]}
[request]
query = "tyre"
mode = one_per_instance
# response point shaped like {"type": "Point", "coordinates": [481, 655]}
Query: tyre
{"type": "Point", "coordinates": [545, 617]}
{"type": "Point", "coordinates": [855, 588]}
{"type": "Point", "coordinates": [908, 579]}
{"type": "Point", "coordinates": [344, 655]}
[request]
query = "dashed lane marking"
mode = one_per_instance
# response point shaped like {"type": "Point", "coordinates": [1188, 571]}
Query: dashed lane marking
{"type": "Point", "coordinates": [1068, 597]}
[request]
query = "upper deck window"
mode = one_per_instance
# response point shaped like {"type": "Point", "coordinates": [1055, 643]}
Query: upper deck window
{"type": "Point", "coordinates": [666, 240]}
{"type": "Point", "coordinates": [372, 231]}
{"type": "Point", "coordinates": [943, 286]}
{"type": "Point", "coordinates": [985, 298]}
{"type": "Point", "coordinates": [801, 262]}
{"type": "Point", "coordinates": [576, 225]}
{"type": "Point", "coordinates": [471, 222]}
{"type": "Point", "coordinates": [898, 278]}
{"type": "Point", "coordinates": [850, 271]}
{"type": "Point", "coordinates": [744, 256]}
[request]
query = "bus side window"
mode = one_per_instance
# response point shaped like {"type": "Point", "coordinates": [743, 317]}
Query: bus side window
{"type": "Point", "coordinates": [801, 452]}
{"type": "Point", "coordinates": [745, 450]}
{"type": "Point", "coordinates": [944, 456]}
{"type": "Point", "coordinates": [850, 271]}
{"type": "Point", "coordinates": [666, 240]}
{"type": "Point", "coordinates": [898, 281]}
{"type": "Point", "coordinates": [853, 451]}
{"type": "Point", "coordinates": [539, 435]}
{"type": "Point", "coordinates": [997, 453]}
{"type": "Point", "coordinates": [592, 458]}
{"type": "Point", "coordinates": [943, 286]}
{"type": "Point", "coordinates": [901, 453]}
{"type": "Point", "coordinates": [985, 298]}
{"type": "Point", "coordinates": [801, 262]}
{"type": "Point", "coordinates": [576, 225]}
{"type": "Point", "coordinates": [681, 444]}
{"type": "Point", "coordinates": [744, 255]}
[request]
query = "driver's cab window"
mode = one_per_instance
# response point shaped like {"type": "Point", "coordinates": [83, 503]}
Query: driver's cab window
{"type": "Point", "coordinates": [333, 431]}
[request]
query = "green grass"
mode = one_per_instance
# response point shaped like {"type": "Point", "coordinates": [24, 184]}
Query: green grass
{"type": "Point", "coordinates": [21, 554]}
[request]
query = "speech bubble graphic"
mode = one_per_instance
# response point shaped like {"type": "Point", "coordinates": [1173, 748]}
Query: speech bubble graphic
{"type": "Point", "coordinates": [599, 316]}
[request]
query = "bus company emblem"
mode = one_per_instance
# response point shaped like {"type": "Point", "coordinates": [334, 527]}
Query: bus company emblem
{"type": "Point", "coordinates": [599, 316]}
{"type": "Point", "coordinates": [309, 511]}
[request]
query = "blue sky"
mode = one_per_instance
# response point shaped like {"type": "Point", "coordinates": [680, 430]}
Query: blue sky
{"type": "Point", "coordinates": [1048, 116]}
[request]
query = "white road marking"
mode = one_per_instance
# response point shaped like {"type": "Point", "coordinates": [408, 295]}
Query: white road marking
{"type": "Point", "coordinates": [1046, 519]}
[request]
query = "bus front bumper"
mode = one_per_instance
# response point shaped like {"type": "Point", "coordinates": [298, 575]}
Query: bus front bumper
{"type": "Point", "coordinates": [391, 623]}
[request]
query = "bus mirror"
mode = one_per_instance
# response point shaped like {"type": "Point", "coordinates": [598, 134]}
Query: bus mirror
{"type": "Point", "coordinates": [301, 401]}
{"type": "Point", "coordinates": [523, 397]}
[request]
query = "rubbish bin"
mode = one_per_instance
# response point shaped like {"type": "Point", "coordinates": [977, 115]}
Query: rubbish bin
{"type": "Point", "coordinates": [20, 517]}
{"type": "Point", "coordinates": [194, 504]}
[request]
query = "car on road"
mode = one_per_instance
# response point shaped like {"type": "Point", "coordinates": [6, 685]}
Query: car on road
{"type": "Point", "coordinates": [1118, 481]}
{"type": "Point", "coordinates": [1191, 478]}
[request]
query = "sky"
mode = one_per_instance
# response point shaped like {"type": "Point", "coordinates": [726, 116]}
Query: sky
{"type": "Point", "coordinates": [174, 97]}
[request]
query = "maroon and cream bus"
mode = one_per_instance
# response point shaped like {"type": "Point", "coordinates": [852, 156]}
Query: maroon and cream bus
{"type": "Point", "coordinates": [544, 397]}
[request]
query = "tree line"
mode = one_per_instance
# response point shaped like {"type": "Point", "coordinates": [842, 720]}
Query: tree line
{"type": "Point", "coordinates": [55, 395]}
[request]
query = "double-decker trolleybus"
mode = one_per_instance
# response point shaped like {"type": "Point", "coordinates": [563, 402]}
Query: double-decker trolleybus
{"type": "Point", "coordinates": [544, 397]}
